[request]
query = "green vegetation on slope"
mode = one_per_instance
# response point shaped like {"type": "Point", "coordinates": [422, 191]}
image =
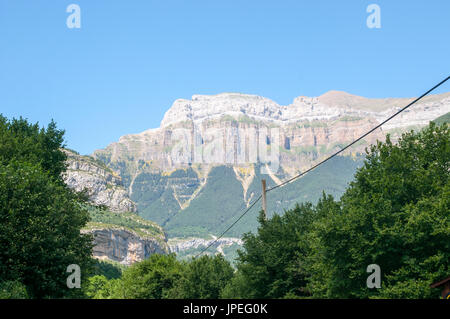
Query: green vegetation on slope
{"type": "Point", "coordinates": [106, 219]}
{"type": "Point", "coordinates": [221, 201]}
{"type": "Point", "coordinates": [155, 196]}
{"type": "Point", "coordinates": [442, 119]}
{"type": "Point", "coordinates": [109, 269]}
{"type": "Point", "coordinates": [71, 154]}
{"type": "Point", "coordinates": [216, 203]}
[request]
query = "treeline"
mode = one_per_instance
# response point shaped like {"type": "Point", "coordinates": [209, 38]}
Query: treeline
{"type": "Point", "coordinates": [394, 214]}
{"type": "Point", "coordinates": [163, 276]}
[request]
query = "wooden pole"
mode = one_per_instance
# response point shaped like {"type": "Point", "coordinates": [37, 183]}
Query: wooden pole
{"type": "Point", "coordinates": [264, 202]}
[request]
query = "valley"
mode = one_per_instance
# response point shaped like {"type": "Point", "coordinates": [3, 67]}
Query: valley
{"type": "Point", "coordinates": [197, 172]}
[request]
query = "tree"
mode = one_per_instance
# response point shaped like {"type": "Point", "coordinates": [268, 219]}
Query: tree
{"type": "Point", "coordinates": [99, 287]}
{"type": "Point", "coordinates": [268, 265]}
{"type": "Point", "coordinates": [12, 290]}
{"type": "Point", "coordinates": [96, 287]}
{"type": "Point", "coordinates": [394, 214]}
{"type": "Point", "coordinates": [40, 217]}
{"type": "Point", "coordinates": [27, 142]}
{"type": "Point", "coordinates": [203, 278]}
{"type": "Point", "coordinates": [108, 269]}
{"type": "Point", "coordinates": [152, 278]}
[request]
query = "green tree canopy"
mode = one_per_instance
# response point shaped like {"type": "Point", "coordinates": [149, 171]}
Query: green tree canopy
{"type": "Point", "coordinates": [267, 268]}
{"type": "Point", "coordinates": [394, 214]}
{"type": "Point", "coordinates": [203, 278]}
{"type": "Point", "coordinates": [29, 143]}
{"type": "Point", "coordinates": [40, 217]}
{"type": "Point", "coordinates": [152, 278]}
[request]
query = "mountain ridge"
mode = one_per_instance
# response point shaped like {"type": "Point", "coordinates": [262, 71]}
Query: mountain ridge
{"type": "Point", "coordinates": [311, 123]}
{"type": "Point", "coordinates": [331, 103]}
{"type": "Point", "coordinates": [183, 168]}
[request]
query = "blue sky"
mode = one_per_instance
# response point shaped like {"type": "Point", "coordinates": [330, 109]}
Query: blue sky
{"type": "Point", "coordinates": [130, 60]}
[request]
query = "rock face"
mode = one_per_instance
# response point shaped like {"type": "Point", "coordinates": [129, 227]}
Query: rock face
{"type": "Point", "coordinates": [119, 234]}
{"type": "Point", "coordinates": [331, 105]}
{"type": "Point", "coordinates": [103, 185]}
{"type": "Point", "coordinates": [168, 170]}
{"type": "Point", "coordinates": [177, 245]}
{"type": "Point", "coordinates": [221, 129]}
{"type": "Point", "coordinates": [124, 246]}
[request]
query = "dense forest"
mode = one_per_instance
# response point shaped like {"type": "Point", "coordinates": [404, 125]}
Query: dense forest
{"type": "Point", "coordinates": [395, 213]}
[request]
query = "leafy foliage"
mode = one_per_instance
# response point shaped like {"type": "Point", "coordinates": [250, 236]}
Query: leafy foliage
{"type": "Point", "coordinates": [108, 269]}
{"type": "Point", "coordinates": [13, 290]}
{"type": "Point", "coordinates": [99, 287]}
{"type": "Point", "coordinates": [395, 214]}
{"type": "Point", "coordinates": [152, 278]}
{"type": "Point", "coordinates": [29, 143]}
{"type": "Point", "coordinates": [40, 218]}
{"type": "Point", "coordinates": [269, 265]}
{"type": "Point", "coordinates": [203, 278]}
{"type": "Point", "coordinates": [163, 276]}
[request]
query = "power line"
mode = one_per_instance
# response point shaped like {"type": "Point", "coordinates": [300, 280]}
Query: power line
{"type": "Point", "coordinates": [231, 226]}
{"type": "Point", "coordinates": [361, 137]}
{"type": "Point", "coordinates": [323, 161]}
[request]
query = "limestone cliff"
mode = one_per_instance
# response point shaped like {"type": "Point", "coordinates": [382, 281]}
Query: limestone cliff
{"type": "Point", "coordinates": [124, 237]}
{"type": "Point", "coordinates": [119, 233]}
{"type": "Point", "coordinates": [124, 245]}
{"type": "Point", "coordinates": [103, 185]}
{"type": "Point", "coordinates": [309, 129]}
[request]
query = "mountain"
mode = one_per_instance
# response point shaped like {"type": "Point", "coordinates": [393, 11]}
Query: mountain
{"type": "Point", "coordinates": [196, 173]}
{"type": "Point", "coordinates": [120, 235]}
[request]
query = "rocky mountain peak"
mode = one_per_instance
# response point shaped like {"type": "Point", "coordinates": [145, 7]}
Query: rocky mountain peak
{"type": "Point", "coordinates": [332, 104]}
{"type": "Point", "coordinates": [320, 123]}
{"type": "Point", "coordinates": [202, 107]}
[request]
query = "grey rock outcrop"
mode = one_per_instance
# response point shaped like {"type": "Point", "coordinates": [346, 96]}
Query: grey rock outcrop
{"type": "Point", "coordinates": [318, 123]}
{"type": "Point", "coordinates": [179, 245]}
{"type": "Point", "coordinates": [329, 106]}
{"type": "Point", "coordinates": [103, 185]}
{"type": "Point", "coordinates": [310, 129]}
{"type": "Point", "coordinates": [124, 246]}
{"type": "Point", "coordinates": [112, 241]}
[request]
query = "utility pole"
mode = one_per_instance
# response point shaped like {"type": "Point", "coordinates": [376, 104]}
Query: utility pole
{"type": "Point", "coordinates": [264, 203]}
